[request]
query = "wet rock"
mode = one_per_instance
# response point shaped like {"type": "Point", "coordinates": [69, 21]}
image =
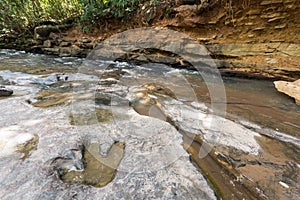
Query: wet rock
{"type": "Point", "coordinates": [214, 129]}
{"type": "Point", "coordinates": [291, 89]}
{"type": "Point", "coordinates": [74, 52]}
{"type": "Point", "coordinates": [29, 146]}
{"type": "Point", "coordinates": [115, 74]}
{"type": "Point", "coordinates": [98, 170]}
{"type": "Point", "coordinates": [94, 117]}
{"type": "Point", "coordinates": [62, 77]}
{"type": "Point", "coordinates": [65, 52]}
{"type": "Point", "coordinates": [51, 51]}
{"type": "Point", "coordinates": [107, 95]}
{"type": "Point", "coordinates": [47, 98]}
{"type": "Point", "coordinates": [70, 161]}
{"type": "Point", "coordinates": [154, 160]}
{"type": "Point", "coordinates": [103, 99]}
{"type": "Point", "coordinates": [158, 89]}
{"type": "Point", "coordinates": [147, 105]}
{"type": "Point", "coordinates": [4, 92]}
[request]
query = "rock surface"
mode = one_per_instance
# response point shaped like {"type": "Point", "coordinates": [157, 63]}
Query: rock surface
{"type": "Point", "coordinates": [4, 92]}
{"type": "Point", "coordinates": [290, 88]}
{"type": "Point", "coordinates": [98, 170]}
{"type": "Point", "coordinates": [11, 138]}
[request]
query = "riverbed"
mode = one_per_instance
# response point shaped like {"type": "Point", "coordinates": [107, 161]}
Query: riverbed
{"type": "Point", "coordinates": [161, 124]}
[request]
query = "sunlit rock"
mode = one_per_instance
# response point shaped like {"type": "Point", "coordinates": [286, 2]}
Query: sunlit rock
{"type": "Point", "coordinates": [12, 139]}
{"type": "Point", "coordinates": [291, 89]}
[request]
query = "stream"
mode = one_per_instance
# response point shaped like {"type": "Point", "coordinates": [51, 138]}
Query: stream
{"type": "Point", "coordinates": [81, 129]}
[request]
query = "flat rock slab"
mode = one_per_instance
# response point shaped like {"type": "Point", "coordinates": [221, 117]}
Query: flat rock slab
{"type": "Point", "coordinates": [290, 88]}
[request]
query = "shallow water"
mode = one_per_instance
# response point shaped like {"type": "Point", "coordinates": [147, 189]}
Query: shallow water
{"type": "Point", "coordinates": [103, 107]}
{"type": "Point", "coordinates": [257, 101]}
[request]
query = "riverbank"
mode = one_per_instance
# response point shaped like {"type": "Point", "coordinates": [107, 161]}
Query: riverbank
{"type": "Point", "coordinates": [252, 39]}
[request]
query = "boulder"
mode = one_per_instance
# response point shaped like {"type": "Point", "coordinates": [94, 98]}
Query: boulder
{"type": "Point", "coordinates": [290, 88]}
{"type": "Point", "coordinates": [4, 92]}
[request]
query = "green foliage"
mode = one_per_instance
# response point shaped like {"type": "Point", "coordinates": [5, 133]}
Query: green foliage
{"type": "Point", "coordinates": [22, 15]}
{"type": "Point", "coordinates": [155, 2]}
{"type": "Point", "coordinates": [94, 10]}
{"type": "Point", "coordinates": [168, 12]}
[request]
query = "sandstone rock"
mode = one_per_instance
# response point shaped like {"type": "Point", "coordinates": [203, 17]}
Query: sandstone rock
{"type": "Point", "coordinates": [85, 40]}
{"type": "Point", "coordinates": [272, 15]}
{"type": "Point", "coordinates": [65, 44]}
{"type": "Point", "coordinates": [269, 2]}
{"type": "Point", "coordinates": [259, 29]}
{"type": "Point", "coordinates": [4, 92]}
{"type": "Point", "coordinates": [51, 51]}
{"type": "Point", "coordinates": [65, 52]}
{"type": "Point", "coordinates": [275, 19]}
{"type": "Point", "coordinates": [73, 52]}
{"type": "Point", "coordinates": [290, 88]}
{"type": "Point", "coordinates": [47, 44]}
{"type": "Point", "coordinates": [244, 49]}
{"type": "Point", "coordinates": [84, 45]}
{"type": "Point", "coordinates": [53, 36]}
{"type": "Point", "coordinates": [280, 26]}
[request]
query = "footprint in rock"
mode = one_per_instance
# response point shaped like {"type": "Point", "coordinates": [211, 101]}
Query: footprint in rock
{"type": "Point", "coordinates": [98, 170]}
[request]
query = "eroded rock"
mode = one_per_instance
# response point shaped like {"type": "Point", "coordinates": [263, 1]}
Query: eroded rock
{"type": "Point", "coordinates": [291, 89]}
{"type": "Point", "coordinates": [98, 170]}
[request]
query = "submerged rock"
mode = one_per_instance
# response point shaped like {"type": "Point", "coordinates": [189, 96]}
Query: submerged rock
{"type": "Point", "coordinates": [47, 98]}
{"type": "Point", "coordinates": [291, 89]}
{"type": "Point", "coordinates": [4, 92]}
{"type": "Point", "coordinates": [89, 118]}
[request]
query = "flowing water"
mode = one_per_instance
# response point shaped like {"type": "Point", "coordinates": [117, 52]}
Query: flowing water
{"type": "Point", "coordinates": [66, 113]}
